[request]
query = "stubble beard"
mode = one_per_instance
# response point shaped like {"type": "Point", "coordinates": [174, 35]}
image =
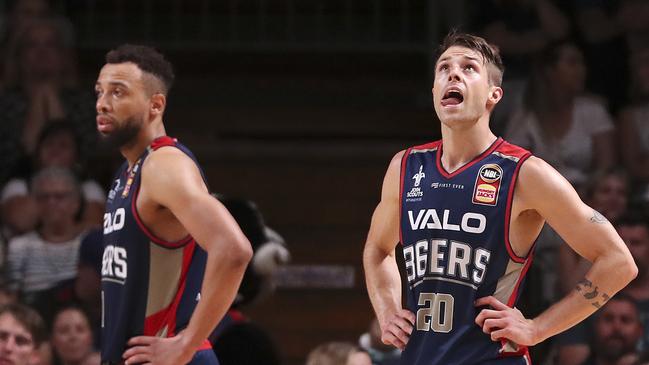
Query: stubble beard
{"type": "Point", "coordinates": [124, 135]}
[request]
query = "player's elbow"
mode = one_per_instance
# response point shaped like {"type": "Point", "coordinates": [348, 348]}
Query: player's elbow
{"type": "Point", "coordinates": [631, 269]}
{"type": "Point", "coordinates": [241, 253]}
{"type": "Point", "coordinates": [626, 269]}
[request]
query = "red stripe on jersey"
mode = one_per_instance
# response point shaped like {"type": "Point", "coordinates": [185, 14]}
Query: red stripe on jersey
{"type": "Point", "coordinates": [163, 142]}
{"type": "Point", "coordinates": [155, 239]}
{"type": "Point", "coordinates": [447, 175]}
{"type": "Point", "coordinates": [167, 316]}
{"type": "Point", "coordinates": [402, 173]}
{"type": "Point", "coordinates": [508, 211]}
{"type": "Point", "coordinates": [509, 149]}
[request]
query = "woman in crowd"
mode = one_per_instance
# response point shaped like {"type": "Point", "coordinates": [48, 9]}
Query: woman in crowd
{"type": "Point", "coordinates": [72, 337]}
{"type": "Point", "coordinates": [558, 122]}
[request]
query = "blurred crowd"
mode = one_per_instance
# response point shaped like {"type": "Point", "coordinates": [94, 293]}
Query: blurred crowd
{"type": "Point", "coordinates": [576, 94]}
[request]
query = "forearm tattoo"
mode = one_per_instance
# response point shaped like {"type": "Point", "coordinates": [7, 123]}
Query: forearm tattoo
{"type": "Point", "coordinates": [598, 218]}
{"type": "Point", "coordinates": [590, 292]}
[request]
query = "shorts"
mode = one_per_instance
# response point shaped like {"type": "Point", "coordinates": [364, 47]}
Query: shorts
{"type": "Point", "coordinates": [204, 357]}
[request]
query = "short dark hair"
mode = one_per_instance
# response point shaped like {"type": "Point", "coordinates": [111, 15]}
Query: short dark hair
{"type": "Point", "coordinates": [148, 59]}
{"type": "Point", "coordinates": [29, 318]}
{"type": "Point", "coordinates": [489, 52]}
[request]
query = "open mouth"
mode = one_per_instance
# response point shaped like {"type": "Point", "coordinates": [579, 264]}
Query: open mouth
{"type": "Point", "coordinates": [452, 97]}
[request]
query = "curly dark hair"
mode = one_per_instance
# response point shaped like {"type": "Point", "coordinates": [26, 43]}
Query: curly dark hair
{"type": "Point", "coordinates": [488, 51]}
{"type": "Point", "coordinates": [148, 59]}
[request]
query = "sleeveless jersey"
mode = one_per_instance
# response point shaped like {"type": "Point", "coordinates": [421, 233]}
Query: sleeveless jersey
{"type": "Point", "coordinates": [149, 286]}
{"type": "Point", "coordinates": [455, 237]}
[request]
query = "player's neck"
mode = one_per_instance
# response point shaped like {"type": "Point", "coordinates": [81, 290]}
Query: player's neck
{"type": "Point", "coordinates": [132, 152]}
{"type": "Point", "coordinates": [461, 145]}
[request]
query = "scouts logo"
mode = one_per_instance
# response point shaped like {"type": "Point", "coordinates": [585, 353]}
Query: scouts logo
{"type": "Point", "coordinates": [487, 185]}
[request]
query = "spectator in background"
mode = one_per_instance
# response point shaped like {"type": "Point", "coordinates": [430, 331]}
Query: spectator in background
{"type": "Point", "coordinates": [22, 331]}
{"type": "Point", "coordinates": [40, 86]}
{"type": "Point", "coordinates": [72, 337]}
{"type": "Point", "coordinates": [521, 29]}
{"type": "Point", "coordinates": [24, 12]}
{"type": "Point", "coordinates": [617, 330]}
{"type": "Point", "coordinates": [338, 353]}
{"type": "Point", "coordinates": [634, 119]}
{"type": "Point", "coordinates": [43, 262]}
{"type": "Point", "coordinates": [58, 146]}
{"type": "Point", "coordinates": [558, 123]}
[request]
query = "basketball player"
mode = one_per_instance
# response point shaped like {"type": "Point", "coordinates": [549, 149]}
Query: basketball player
{"type": "Point", "coordinates": [467, 210]}
{"type": "Point", "coordinates": [173, 256]}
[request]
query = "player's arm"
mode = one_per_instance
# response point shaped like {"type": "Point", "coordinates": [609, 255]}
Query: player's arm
{"type": "Point", "coordinates": [381, 272]}
{"type": "Point", "coordinates": [543, 190]}
{"type": "Point", "coordinates": [173, 180]}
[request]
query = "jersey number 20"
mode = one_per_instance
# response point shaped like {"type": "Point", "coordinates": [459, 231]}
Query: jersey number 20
{"type": "Point", "coordinates": [437, 313]}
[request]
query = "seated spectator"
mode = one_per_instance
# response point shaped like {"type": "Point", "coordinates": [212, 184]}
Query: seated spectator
{"type": "Point", "coordinates": [617, 330]}
{"type": "Point", "coordinates": [380, 353]}
{"type": "Point", "coordinates": [558, 123]}
{"type": "Point", "coordinates": [40, 86]}
{"type": "Point", "coordinates": [634, 120]}
{"type": "Point", "coordinates": [72, 337]}
{"type": "Point", "coordinates": [45, 260]}
{"type": "Point", "coordinates": [58, 146]}
{"type": "Point", "coordinates": [22, 331]}
{"type": "Point", "coordinates": [338, 353]}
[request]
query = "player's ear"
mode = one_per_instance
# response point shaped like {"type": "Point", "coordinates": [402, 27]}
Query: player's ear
{"type": "Point", "coordinates": [495, 94]}
{"type": "Point", "coordinates": [157, 104]}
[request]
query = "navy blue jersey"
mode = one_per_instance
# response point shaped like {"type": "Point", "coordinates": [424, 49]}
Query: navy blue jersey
{"type": "Point", "coordinates": [454, 232]}
{"type": "Point", "coordinates": [149, 286]}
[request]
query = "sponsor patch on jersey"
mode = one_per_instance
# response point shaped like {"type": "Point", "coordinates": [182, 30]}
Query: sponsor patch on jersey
{"type": "Point", "coordinates": [416, 193]}
{"type": "Point", "coordinates": [487, 185]}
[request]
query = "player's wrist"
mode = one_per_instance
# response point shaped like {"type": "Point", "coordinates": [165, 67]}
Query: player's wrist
{"type": "Point", "coordinates": [537, 333]}
{"type": "Point", "coordinates": [188, 342]}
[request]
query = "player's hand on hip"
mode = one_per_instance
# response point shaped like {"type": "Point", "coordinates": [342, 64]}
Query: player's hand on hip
{"type": "Point", "coordinates": [397, 329]}
{"type": "Point", "coordinates": [157, 351]}
{"type": "Point", "coordinates": [504, 322]}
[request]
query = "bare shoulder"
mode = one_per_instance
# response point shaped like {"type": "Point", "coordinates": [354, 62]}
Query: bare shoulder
{"type": "Point", "coordinates": [165, 158]}
{"type": "Point", "coordinates": [395, 163]}
{"type": "Point", "coordinates": [170, 169]}
{"type": "Point", "coordinates": [392, 178]}
{"type": "Point", "coordinates": [540, 184]}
